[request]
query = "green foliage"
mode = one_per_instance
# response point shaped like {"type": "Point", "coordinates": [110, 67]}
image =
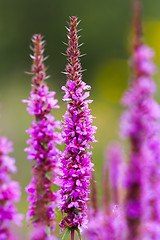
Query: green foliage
{"type": "Point", "coordinates": [67, 232]}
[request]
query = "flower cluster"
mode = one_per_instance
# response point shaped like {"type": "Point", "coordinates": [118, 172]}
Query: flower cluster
{"type": "Point", "coordinates": [77, 133]}
{"type": "Point", "coordinates": [43, 141]}
{"type": "Point", "coordinates": [140, 124]}
{"type": "Point", "coordinates": [9, 192]}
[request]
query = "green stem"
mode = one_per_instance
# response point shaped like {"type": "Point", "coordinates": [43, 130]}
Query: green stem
{"type": "Point", "coordinates": [72, 234]}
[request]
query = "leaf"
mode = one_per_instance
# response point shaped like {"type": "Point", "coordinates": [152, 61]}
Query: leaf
{"type": "Point", "coordinates": [79, 234]}
{"type": "Point", "coordinates": [66, 234]}
{"type": "Point", "coordinates": [48, 175]}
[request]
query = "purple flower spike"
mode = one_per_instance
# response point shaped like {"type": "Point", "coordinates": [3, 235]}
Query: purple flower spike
{"type": "Point", "coordinates": [77, 133]}
{"type": "Point", "coordinates": [9, 192]}
{"type": "Point", "coordinates": [140, 124]}
{"type": "Point", "coordinates": [43, 141]}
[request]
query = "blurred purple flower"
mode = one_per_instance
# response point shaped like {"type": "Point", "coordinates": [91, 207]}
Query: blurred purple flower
{"type": "Point", "coordinates": [39, 233]}
{"type": "Point", "coordinates": [105, 226]}
{"type": "Point", "coordinates": [140, 124]}
{"type": "Point", "coordinates": [9, 192]}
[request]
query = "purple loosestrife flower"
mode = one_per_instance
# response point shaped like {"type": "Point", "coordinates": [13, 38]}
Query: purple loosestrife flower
{"type": "Point", "coordinates": [139, 124]}
{"type": "Point", "coordinates": [43, 141]}
{"type": "Point", "coordinates": [77, 133]}
{"type": "Point", "coordinates": [9, 192]}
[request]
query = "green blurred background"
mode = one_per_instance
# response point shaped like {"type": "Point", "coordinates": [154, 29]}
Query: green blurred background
{"type": "Point", "coordinates": [106, 33]}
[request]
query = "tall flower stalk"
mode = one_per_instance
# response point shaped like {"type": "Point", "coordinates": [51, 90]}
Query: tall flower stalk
{"type": "Point", "coordinates": [9, 192]}
{"type": "Point", "coordinates": [139, 124]}
{"type": "Point", "coordinates": [42, 150]}
{"type": "Point", "coordinates": [77, 133]}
